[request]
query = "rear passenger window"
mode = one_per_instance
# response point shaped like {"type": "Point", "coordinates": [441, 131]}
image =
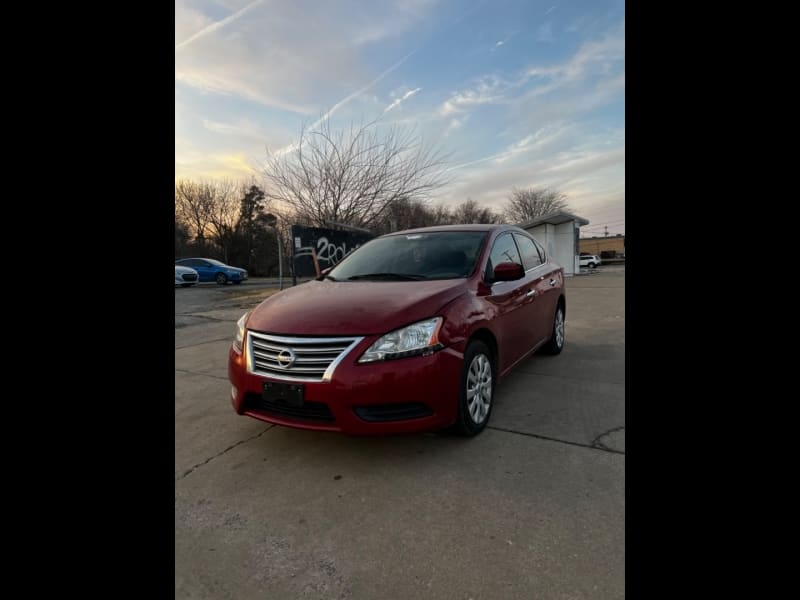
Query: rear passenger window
{"type": "Point", "coordinates": [530, 255]}
{"type": "Point", "coordinates": [541, 250]}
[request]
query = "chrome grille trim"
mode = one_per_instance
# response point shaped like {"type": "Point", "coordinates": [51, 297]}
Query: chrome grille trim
{"type": "Point", "coordinates": [316, 358]}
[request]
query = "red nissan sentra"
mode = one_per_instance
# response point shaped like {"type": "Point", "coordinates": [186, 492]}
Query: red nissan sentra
{"type": "Point", "coordinates": [410, 332]}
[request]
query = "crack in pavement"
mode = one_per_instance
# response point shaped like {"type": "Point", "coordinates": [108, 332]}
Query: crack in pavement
{"type": "Point", "coordinates": [203, 374]}
{"type": "Point", "coordinates": [596, 443]}
{"type": "Point", "coordinates": [204, 317]}
{"type": "Point", "coordinates": [208, 460]}
{"type": "Point", "coordinates": [228, 337]}
{"type": "Point", "coordinates": [549, 439]}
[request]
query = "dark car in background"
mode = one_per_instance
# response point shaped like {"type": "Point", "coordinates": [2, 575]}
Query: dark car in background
{"type": "Point", "coordinates": [410, 332]}
{"type": "Point", "coordinates": [209, 269]}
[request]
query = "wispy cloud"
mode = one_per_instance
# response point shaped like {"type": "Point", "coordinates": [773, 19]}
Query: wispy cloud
{"type": "Point", "coordinates": [504, 41]}
{"type": "Point", "coordinates": [219, 24]}
{"type": "Point", "coordinates": [357, 93]}
{"type": "Point", "coordinates": [293, 146]}
{"type": "Point", "coordinates": [485, 92]}
{"type": "Point", "coordinates": [551, 9]}
{"type": "Point", "coordinates": [398, 101]}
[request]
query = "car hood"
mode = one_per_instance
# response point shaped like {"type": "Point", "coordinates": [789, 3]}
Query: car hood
{"type": "Point", "coordinates": [352, 308]}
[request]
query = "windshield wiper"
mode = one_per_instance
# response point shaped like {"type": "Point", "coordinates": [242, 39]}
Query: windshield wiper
{"type": "Point", "coordinates": [402, 276]}
{"type": "Point", "coordinates": [321, 277]}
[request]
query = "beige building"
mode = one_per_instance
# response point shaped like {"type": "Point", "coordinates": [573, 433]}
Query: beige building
{"type": "Point", "coordinates": [597, 245]}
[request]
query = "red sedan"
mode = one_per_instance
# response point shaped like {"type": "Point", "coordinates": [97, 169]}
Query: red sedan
{"type": "Point", "coordinates": [411, 332]}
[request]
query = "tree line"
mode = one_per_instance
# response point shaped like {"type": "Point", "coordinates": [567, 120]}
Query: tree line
{"type": "Point", "coordinates": [367, 176]}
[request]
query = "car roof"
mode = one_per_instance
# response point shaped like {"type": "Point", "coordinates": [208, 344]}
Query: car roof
{"type": "Point", "coordinates": [471, 227]}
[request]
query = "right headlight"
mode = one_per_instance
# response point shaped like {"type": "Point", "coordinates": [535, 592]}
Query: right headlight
{"type": "Point", "coordinates": [239, 340]}
{"type": "Point", "coordinates": [420, 338]}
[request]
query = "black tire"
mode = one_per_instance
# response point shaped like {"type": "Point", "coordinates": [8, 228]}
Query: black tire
{"type": "Point", "coordinates": [221, 278]}
{"type": "Point", "coordinates": [556, 343]}
{"type": "Point", "coordinates": [479, 354]}
{"type": "Point", "coordinates": [592, 265]}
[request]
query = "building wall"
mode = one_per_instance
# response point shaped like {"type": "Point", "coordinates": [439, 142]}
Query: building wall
{"type": "Point", "coordinates": [559, 242]}
{"type": "Point", "coordinates": [596, 245]}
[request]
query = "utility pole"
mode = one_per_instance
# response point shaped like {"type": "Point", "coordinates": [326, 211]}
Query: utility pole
{"type": "Point", "coordinates": [606, 230]}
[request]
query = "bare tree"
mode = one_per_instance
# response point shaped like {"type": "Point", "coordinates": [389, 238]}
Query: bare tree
{"type": "Point", "coordinates": [193, 205]}
{"type": "Point", "coordinates": [353, 175]}
{"type": "Point", "coordinates": [224, 210]}
{"type": "Point", "coordinates": [528, 204]}
{"type": "Point", "coordinates": [471, 212]}
{"type": "Point", "coordinates": [209, 208]}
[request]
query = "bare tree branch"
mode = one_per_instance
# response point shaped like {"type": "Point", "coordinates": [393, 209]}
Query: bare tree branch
{"type": "Point", "coordinates": [528, 204]}
{"type": "Point", "coordinates": [353, 175]}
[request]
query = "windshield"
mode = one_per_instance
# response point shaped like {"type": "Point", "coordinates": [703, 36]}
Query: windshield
{"type": "Point", "coordinates": [413, 256]}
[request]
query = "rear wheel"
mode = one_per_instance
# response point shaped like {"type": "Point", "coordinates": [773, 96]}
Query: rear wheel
{"type": "Point", "coordinates": [556, 343]}
{"type": "Point", "coordinates": [221, 278]}
{"type": "Point", "coordinates": [477, 390]}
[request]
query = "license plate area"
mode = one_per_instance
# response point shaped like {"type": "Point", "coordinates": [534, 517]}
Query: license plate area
{"type": "Point", "coordinates": [291, 394]}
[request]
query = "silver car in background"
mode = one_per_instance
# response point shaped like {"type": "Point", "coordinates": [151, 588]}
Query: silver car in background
{"type": "Point", "coordinates": [185, 276]}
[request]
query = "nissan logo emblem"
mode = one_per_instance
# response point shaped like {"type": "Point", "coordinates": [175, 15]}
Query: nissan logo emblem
{"type": "Point", "coordinates": [286, 358]}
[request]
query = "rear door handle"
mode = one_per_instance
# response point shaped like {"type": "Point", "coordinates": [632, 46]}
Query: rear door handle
{"type": "Point", "coordinates": [530, 294]}
{"type": "Point", "coordinates": [552, 282]}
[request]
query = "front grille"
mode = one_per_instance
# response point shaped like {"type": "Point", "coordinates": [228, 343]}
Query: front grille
{"type": "Point", "coordinates": [310, 411]}
{"type": "Point", "coordinates": [393, 412]}
{"type": "Point", "coordinates": [295, 358]}
{"type": "Point", "coordinates": [189, 277]}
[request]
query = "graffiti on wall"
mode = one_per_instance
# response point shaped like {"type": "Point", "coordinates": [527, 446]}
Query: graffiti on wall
{"type": "Point", "coordinates": [330, 246]}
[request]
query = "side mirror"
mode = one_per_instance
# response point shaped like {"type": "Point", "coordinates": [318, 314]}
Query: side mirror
{"type": "Point", "coordinates": [508, 271]}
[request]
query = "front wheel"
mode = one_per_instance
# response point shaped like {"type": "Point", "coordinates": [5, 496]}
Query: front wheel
{"type": "Point", "coordinates": [592, 265]}
{"type": "Point", "coordinates": [556, 343]}
{"type": "Point", "coordinates": [221, 278]}
{"type": "Point", "coordinates": [477, 390]}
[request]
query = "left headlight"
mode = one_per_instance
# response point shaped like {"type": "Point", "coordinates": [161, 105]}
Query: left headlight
{"type": "Point", "coordinates": [239, 341]}
{"type": "Point", "coordinates": [421, 338]}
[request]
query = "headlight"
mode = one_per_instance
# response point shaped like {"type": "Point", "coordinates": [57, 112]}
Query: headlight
{"type": "Point", "coordinates": [414, 340]}
{"type": "Point", "coordinates": [237, 343]}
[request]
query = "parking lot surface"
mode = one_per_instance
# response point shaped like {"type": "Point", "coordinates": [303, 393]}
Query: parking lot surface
{"type": "Point", "coordinates": [533, 507]}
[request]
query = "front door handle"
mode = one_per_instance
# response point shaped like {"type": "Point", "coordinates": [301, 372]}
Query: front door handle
{"type": "Point", "coordinates": [530, 294]}
{"type": "Point", "coordinates": [552, 282]}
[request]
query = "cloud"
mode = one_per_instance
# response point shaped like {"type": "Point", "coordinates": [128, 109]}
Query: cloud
{"type": "Point", "coordinates": [486, 92]}
{"type": "Point", "coordinates": [398, 101]}
{"type": "Point", "coordinates": [551, 9]}
{"type": "Point", "coordinates": [591, 59]}
{"type": "Point", "coordinates": [563, 156]}
{"type": "Point", "coordinates": [219, 24]}
{"type": "Point", "coordinates": [289, 55]}
{"type": "Point", "coordinates": [504, 41]}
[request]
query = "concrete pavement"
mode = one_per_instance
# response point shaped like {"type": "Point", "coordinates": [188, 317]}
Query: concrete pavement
{"type": "Point", "coordinates": [531, 508]}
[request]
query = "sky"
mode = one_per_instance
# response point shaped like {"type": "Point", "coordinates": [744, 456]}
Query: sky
{"type": "Point", "coordinates": [516, 93]}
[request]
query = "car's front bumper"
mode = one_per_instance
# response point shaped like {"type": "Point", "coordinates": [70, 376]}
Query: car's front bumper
{"type": "Point", "coordinates": [362, 399]}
